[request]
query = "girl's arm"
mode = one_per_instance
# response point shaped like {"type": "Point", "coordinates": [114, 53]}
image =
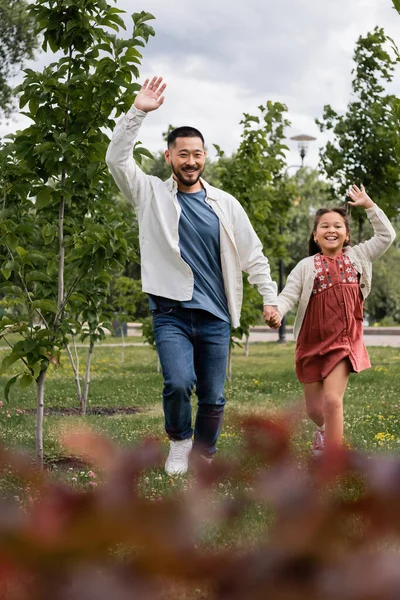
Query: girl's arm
{"type": "Point", "coordinates": [384, 234]}
{"type": "Point", "coordinates": [291, 293]}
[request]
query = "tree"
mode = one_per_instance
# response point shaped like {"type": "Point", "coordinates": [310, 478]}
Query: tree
{"type": "Point", "coordinates": [254, 175]}
{"type": "Point", "coordinates": [127, 299]}
{"type": "Point", "coordinates": [17, 43]}
{"type": "Point", "coordinates": [312, 193]}
{"type": "Point", "coordinates": [365, 137]}
{"type": "Point", "coordinates": [383, 303]}
{"type": "Point", "coordinates": [60, 234]}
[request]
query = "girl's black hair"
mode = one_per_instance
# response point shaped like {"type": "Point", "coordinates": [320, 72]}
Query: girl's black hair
{"type": "Point", "coordinates": [313, 247]}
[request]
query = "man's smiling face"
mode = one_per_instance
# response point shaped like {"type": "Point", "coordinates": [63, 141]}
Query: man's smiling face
{"type": "Point", "coordinates": [187, 159]}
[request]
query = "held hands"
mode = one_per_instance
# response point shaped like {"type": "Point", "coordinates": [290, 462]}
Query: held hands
{"type": "Point", "coordinates": [272, 317]}
{"type": "Point", "coordinates": [150, 96]}
{"type": "Point", "coordinates": [359, 197]}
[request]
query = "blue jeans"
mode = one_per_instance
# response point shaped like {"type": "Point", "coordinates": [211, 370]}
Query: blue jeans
{"type": "Point", "coordinates": [193, 349]}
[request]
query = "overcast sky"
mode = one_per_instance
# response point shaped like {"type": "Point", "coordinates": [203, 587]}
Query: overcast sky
{"type": "Point", "coordinates": [221, 58]}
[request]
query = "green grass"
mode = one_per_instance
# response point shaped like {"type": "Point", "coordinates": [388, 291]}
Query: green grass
{"type": "Point", "coordinates": [261, 383]}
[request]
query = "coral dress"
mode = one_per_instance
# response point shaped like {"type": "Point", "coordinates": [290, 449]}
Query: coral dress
{"type": "Point", "coordinates": [333, 324]}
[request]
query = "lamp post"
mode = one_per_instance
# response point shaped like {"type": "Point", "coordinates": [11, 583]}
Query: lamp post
{"type": "Point", "coordinates": [302, 145]}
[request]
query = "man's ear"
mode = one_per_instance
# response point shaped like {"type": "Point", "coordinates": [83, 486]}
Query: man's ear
{"type": "Point", "coordinates": [167, 156]}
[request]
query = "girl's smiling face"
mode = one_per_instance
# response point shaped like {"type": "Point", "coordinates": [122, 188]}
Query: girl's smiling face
{"type": "Point", "coordinates": [331, 233]}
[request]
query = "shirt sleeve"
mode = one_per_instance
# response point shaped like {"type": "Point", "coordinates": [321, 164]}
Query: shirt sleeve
{"type": "Point", "coordinates": [383, 237]}
{"type": "Point", "coordinates": [130, 179]}
{"type": "Point", "coordinates": [252, 259]}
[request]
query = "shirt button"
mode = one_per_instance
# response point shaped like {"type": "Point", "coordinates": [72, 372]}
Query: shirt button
{"type": "Point", "coordinates": [362, 285]}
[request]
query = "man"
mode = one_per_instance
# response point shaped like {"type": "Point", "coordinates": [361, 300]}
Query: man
{"type": "Point", "coordinates": [195, 240]}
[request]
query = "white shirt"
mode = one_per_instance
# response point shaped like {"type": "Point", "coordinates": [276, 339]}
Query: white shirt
{"type": "Point", "coordinates": [164, 272]}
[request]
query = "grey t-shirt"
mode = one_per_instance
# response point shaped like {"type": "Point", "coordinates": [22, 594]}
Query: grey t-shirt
{"type": "Point", "coordinates": [200, 248]}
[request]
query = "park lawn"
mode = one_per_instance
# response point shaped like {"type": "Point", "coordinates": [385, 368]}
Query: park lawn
{"type": "Point", "coordinates": [263, 383]}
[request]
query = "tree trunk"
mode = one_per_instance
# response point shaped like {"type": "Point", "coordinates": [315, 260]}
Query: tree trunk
{"type": "Point", "coordinates": [75, 368]}
{"type": "Point", "coordinates": [61, 258]}
{"type": "Point", "coordinates": [40, 381]}
{"type": "Point", "coordinates": [229, 370]}
{"type": "Point", "coordinates": [247, 346]}
{"type": "Point", "coordinates": [123, 345]}
{"type": "Point", "coordinates": [87, 379]}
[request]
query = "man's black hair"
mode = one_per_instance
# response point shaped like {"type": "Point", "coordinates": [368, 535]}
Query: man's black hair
{"type": "Point", "coordinates": [183, 132]}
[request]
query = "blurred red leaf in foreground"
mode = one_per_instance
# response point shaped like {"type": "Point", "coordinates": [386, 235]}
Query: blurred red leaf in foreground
{"type": "Point", "coordinates": [111, 542]}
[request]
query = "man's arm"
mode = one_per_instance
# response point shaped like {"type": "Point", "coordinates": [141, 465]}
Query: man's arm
{"type": "Point", "coordinates": [131, 180]}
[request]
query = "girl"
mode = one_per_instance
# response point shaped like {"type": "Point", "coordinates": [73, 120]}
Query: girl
{"type": "Point", "coordinates": [331, 285]}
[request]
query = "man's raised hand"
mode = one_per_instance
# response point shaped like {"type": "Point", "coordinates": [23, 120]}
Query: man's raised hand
{"type": "Point", "coordinates": [150, 96]}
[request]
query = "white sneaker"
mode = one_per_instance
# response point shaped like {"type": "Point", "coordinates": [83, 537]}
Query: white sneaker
{"type": "Point", "coordinates": [178, 457]}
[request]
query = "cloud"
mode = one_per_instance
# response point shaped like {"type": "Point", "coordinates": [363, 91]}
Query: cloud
{"type": "Point", "coordinates": [225, 57]}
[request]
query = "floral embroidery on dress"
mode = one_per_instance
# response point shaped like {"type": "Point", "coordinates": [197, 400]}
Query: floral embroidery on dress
{"type": "Point", "coordinates": [323, 280]}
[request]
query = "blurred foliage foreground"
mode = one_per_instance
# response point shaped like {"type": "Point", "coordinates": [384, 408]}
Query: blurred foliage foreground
{"type": "Point", "coordinates": [111, 542]}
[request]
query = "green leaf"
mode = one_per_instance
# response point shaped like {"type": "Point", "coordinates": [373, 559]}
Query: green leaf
{"type": "Point", "coordinates": [12, 241]}
{"type": "Point", "coordinates": [21, 251]}
{"type": "Point", "coordinates": [33, 106]}
{"type": "Point", "coordinates": [37, 276]}
{"type": "Point", "coordinates": [11, 359]}
{"type": "Point", "coordinates": [35, 256]}
{"type": "Point", "coordinates": [43, 198]}
{"type": "Point", "coordinates": [45, 305]}
{"type": "Point", "coordinates": [26, 380]}
{"type": "Point", "coordinates": [143, 152]}
{"type": "Point", "coordinates": [396, 4]}
{"type": "Point", "coordinates": [8, 386]}
{"type": "Point", "coordinates": [29, 344]}
{"type": "Point", "coordinates": [48, 233]}
{"type": "Point", "coordinates": [36, 368]}
{"type": "Point", "coordinates": [6, 273]}
{"type": "Point", "coordinates": [43, 333]}
{"type": "Point", "coordinates": [7, 288]}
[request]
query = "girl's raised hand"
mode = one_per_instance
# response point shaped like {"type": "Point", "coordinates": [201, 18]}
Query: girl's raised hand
{"type": "Point", "coordinates": [359, 197]}
{"type": "Point", "coordinates": [150, 96]}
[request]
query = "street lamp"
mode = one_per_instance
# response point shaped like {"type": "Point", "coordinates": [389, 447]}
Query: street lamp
{"type": "Point", "coordinates": [302, 145]}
